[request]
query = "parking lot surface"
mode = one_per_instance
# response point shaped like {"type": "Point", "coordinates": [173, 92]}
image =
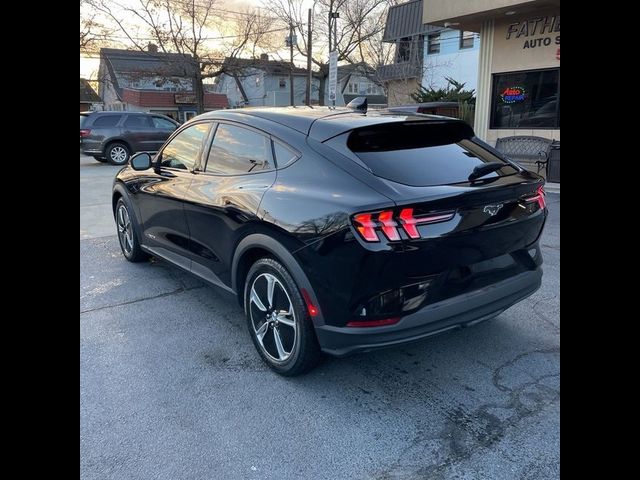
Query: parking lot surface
{"type": "Point", "coordinates": [171, 386]}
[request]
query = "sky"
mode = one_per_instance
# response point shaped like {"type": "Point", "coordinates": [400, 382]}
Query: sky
{"type": "Point", "coordinates": [89, 66]}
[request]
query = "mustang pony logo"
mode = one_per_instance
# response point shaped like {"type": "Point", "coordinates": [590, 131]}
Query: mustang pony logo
{"type": "Point", "coordinates": [492, 209]}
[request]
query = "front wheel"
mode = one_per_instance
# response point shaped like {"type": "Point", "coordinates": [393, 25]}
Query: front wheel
{"type": "Point", "coordinates": [127, 234]}
{"type": "Point", "coordinates": [278, 322]}
{"type": "Point", "coordinates": [118, 153]}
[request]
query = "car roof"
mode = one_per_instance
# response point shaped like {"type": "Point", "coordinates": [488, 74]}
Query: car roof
{"type": "Point", "coordinates": [127, 112]}
{"type": "Point", "coordinates": [321, 123]}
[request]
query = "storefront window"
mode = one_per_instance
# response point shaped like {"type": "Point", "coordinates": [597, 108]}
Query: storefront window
{"type": "Point", "coordinates": [526, 100]}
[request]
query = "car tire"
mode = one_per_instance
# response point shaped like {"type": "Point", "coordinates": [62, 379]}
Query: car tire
{"type": "Point", "coordinates": [100, 159]}
{"type": "Point", "coordinates": [118, 153]}
{"type": "Point", "coordinates": [286, 340]}
{"type": "Point", "coordinates": [128, 233]}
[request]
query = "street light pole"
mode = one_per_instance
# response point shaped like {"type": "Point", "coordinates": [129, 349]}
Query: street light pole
{"type": "Point", "coordinates": [334, 16]}
{"type": "Point", "coordinates": [291, 68]}
{"type": "Point", "coordinates": [309, 52]}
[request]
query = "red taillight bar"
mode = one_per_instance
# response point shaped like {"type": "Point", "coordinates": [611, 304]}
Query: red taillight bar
{"type": "Point", "coordinates": [367, 223]}
{"type": "Point", "coordinates": [388, 225]}
{"type": "Point", "coordinates": [84, 132]}
{"type": "Point", "coordinates": [538, 197]}
{"type": "Point", "coordinates": [409, 222]}
{"type": "Point", "coordinates": [366, 227]}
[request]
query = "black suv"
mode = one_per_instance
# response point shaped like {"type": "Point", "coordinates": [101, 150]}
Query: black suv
{"type": "Point", "coordinates": [339, 231]}
{"type": "Point", "coordinates": [115, 136]}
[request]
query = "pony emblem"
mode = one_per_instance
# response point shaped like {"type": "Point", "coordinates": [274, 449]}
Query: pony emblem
{"type": "Point", "coordinates": [492, 209]}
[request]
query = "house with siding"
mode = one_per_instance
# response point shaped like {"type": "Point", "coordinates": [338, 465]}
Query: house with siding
{"type": "Point", "coordinates": [357, 80]}
{"type": "Point", "coordinates": [89, 99]}
{"type": "Point", "coordinates": [259, 82]}
{"type": "Point", "coordinates": [151, 81]}
{"type": "Point", "coordinates": [425, 54]}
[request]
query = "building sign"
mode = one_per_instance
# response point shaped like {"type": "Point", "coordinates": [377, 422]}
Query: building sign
{"type": "Point", "coordinates": [185, 98]}
{"type": "Point", "coordinates": [513, 95]}
{"type": "Point", "coordinates": [545, 29]}
{"type": "Point", "coordinates": [333, 75]}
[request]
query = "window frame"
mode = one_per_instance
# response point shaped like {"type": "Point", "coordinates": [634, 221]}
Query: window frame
{"type": "Point", "coordinates": [492, 100]}
{"type": "Point", "coordinates": [430, 43]}
{"type": "Point", "coordinates": [400, 50]}
{"type": "Point", "coordinates": [138, 115]}
{"type": "Point", "coordinates": [117, 124]}
{"type": "Point", "coordinates": [462, 39]}
{"type": "Point", "coordinates": [212, 135]}
{"type": "Point", "coordinates": [159, 117]}
{"type": "Point", "coordinates": [157, 161]}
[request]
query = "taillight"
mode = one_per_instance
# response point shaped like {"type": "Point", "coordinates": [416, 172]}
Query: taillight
{"type": "Point", "coordinates": [84, 132]}
{"type": "Point", "coordinates": [388, 225]}
{"type": "Point", "coordinates": [366, 227]}
{"type": "Point", "coordinates": [538, 197]}
{"type": "Point", "coordinates": [368, 224]}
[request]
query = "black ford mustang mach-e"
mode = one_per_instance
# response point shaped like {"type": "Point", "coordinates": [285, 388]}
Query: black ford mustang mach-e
{"type": "Point", "coordinates": [338, 230]}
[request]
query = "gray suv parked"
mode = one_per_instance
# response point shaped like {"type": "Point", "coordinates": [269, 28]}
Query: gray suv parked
{"type": "Point", "coordinates": [115, 136]}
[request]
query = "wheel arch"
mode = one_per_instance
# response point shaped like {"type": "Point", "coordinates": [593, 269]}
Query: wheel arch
{"type": "Point", "coordinates": [120, 191]}
{"type": "Point", "coordinates": [258, 245]}
{"type": "Point", "coordinates": [117, 140]}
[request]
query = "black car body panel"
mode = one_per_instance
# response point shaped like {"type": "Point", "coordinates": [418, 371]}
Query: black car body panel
{"type": "Point", "coordinates": [478, 257]}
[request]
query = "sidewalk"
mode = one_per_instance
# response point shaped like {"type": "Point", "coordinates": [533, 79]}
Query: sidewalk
{"type": "Point", "coordinates": [551, 187]}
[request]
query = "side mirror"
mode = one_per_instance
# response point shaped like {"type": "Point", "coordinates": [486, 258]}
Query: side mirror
{"type": "Point", "coordinates": [141, 161]}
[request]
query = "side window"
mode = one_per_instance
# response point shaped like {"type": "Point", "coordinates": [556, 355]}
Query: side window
{"type": "Point", "coordinates": [236, 150]}
{"type": "Point", "coordinates": [163, 123]}
{"type": "Point", "coordinates": [284, 155]}
{"type": "Point", "coordinates": [107, 121]}
{"type": "Point", "coordinates": [183, 150]}
{"type": "Point", "coordinates": [137, 121]}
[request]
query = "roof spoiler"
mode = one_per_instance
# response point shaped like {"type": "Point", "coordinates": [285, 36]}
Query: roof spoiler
{"type": "Point", "coordinates": [359, 104]}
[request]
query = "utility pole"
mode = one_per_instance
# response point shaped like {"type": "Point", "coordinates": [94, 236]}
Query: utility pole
{"type": "Point", "coordinates": [309, 50]}
{"type": "Point", "coordinates": [333, 16]}
{"type": "Point", "coordinates": [291, 68]}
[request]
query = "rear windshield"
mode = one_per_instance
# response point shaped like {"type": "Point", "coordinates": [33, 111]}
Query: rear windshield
{"type": "Point", "coordinates": [82, 119]}
{"type": "Point", "coordinates": [422, 153]}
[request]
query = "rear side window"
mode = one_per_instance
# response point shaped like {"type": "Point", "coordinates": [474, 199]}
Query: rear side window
{"type": "Point", "coordinates": [107, 121]}
{"type": "Point", "coordinates": [163, 123]}
{"type": "Point", "coordinates": [82, 119]}
{"type": "Point", "coordinates": [284, 155]}
{"type": "Point", "coordinates": [237, 150]}
{"type": "Point", "coordinates": [422, 153]}
{"type": "Point", "coordinates": [137, 121]}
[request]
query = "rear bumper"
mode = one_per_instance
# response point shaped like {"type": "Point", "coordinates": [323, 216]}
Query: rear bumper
{"type": "Point", "coordinates": [456, 312]}
{"type": "Point", "coordinates": [91, 147]}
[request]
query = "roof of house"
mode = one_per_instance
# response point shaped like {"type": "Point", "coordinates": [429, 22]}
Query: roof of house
{"type": "Point", "coordinates": [88, 94]}
{"type": "Point", "coordinates": [137, 61]}
{"type": "Point", "coordinates": [361, 69]}
{"type": "Point", "coordinates": [405, 20]}
{"type": "Point", "coordinates": [143, 63]}
{"type": "Point", "coordinates": [158, 98]}
{"type": "Point", "coordinates": [273, 67]}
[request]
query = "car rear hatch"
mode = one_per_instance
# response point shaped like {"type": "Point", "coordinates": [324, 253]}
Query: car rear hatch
{"type": "Point", "coordinates": [454, 232]}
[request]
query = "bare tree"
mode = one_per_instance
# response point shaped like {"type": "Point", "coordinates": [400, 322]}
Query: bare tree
{"type": "Point", "coordinates": [359, 26]}
{"type": "Point", "coordinates": [189, 28]}
{"type": "Point", "coordinates": [92, 32]}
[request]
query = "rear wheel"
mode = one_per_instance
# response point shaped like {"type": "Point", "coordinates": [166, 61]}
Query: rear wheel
{"type": "Point", "coordinates": [118, 153]}
{"type": "Point", "coordinates": [278, 321]}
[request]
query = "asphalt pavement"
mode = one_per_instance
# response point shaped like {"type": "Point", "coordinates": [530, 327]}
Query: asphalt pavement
{"type": "Point", "coordinates": [171, 386]}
